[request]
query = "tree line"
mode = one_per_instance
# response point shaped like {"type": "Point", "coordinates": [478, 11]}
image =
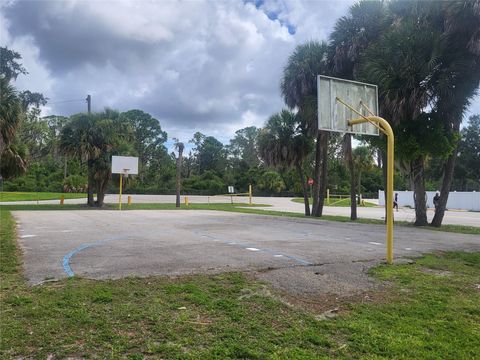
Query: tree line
{"type": "Point", "coordinates": [423, 55]}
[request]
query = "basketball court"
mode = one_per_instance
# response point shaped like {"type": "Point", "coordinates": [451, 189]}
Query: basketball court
{"type": "Point", "coordinates": [105, 244]}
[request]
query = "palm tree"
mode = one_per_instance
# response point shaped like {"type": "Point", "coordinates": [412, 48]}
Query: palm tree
{"type": "Point", "coordinates": [178, 179]}
{"type": "Point", "coordinates": [299, 90]}
{"type": "Point", "coordinates": [77, 140]}
{"type": "Point", "coordinates": [11, 115]}
{"type": "Point", "coordinates": [403, 89]}
{"type": "Point", "coordinates": [456, 80]}
{"type": "Point", "coordinates": [282, 144]}
{"type": "Point", "coordinates": [94, 138]}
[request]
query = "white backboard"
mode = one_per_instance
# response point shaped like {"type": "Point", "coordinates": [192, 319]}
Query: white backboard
{"type": "Point", "coordinates": [334, 116]}
{"type": "Point", "coordinates": [231, 190]}
{"type": "Point", "coordinates": [127, 165]}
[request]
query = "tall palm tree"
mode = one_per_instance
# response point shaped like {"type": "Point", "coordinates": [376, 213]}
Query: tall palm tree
{"type": "Point", "coordinates": [282, 144]}
{"type": "Point", "coordinates": [400, 63]}
{"type": "Point", "coordinates": [178, 179]}
{"type": "Point", "coordinates": [299, 90]}
{"type": "Point", "coordinates": [353, 34]}
{"type": "Point", "coordinates": [77, 140]}
{"type": "Point", "coordinates": [457, 77]}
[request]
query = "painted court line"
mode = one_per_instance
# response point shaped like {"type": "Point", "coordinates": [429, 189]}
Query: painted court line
{"type": "Point", "coordinates": [27, 236]}
{"type": "Point", "coordinates": [68, 257]}
{"type": "Point", "coordinates": [374, 243]}
{"type": "Point", "coordinates": [252, 248]}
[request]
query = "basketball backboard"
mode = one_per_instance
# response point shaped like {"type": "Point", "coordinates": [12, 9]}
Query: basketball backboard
{"type": "Point", "coordinates": [127, 165]}
{"type": "Point", "coordinates": [334, 116]}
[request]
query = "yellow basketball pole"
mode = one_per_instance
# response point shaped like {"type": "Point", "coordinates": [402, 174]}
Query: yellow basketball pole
{"type": "Point", "coordinates": [120, 194]}
{"type": "Point", "coordinates": [387, 130]}
{"type": "Point", "coordinates": [250, 194]}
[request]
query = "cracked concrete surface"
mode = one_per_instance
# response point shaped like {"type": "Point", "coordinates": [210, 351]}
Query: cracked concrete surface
{"type": "Point", "coordinates": [293, 254]}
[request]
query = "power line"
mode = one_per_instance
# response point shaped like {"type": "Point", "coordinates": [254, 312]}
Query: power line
{"type": "Point", "coordinates": [65, 101]}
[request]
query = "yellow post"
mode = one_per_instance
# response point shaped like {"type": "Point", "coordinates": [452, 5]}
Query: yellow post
{"type": "Point", "coordinates": [120, 194]}
{"type": "Point", "coordinates": [328, 196]}
{"type": "Point", "coordinates": [250, 194]}
{"type": "Point", "coordinates": [129, 200]}
{"type": "Point", "coordinates": [62, 199]}
{"type": "Point", "coordinates": [387, 130]}
{"type": "Point", "coordinates": [186, 200]}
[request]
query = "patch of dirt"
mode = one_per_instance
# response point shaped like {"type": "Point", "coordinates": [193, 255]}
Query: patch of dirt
{"type": "Point", "coordinates": [436, 272]}
{"type": "Point", "coordinates": [326, 290]}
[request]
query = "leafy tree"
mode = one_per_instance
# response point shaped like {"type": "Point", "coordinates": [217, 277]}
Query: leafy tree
{"type": "Point", "coordinates": [467, 167]}
{"type": "Point", "coordinates": [271, 181]}
{"type": "Point", "coordinates": [149, 138]}
{"type": "Point", "coordinates": [363, 161]}
{"type": "Point", "coordinates": [299, 90]}
{"type": "Point", "coordinates": [10, 67]}
{"type": "Point", "coordinates": [282, 144]}
{"type": "Point", "coordinates": [209, 154]}
{"type": "Point", "coordinates": [243, 146]}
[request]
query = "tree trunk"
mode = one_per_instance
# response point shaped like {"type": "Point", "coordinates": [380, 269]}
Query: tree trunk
{"type": "Point", "coordinates": [447, 176]}
{"type": "Point", "coordinates": [65, 168]}
{"type": "Point", "coordinates": [101, 188]}
{"type": "Point", "coordinates": [317, 175]}
{"type": "Point", "coordinates": [419, 197]}
{"type": "Point", "coordinates": [90, 181]}
{"type": "Point", "coordinates": [323, 177]}
{"type": "Point", "coordinates": [351, 168]}
{"type": "Point", "coordinates": [445, 190]}
{"type": "Point", "coordinates": [178, 176]}
{"type": "Point", "coordinates": [359, 186]}
{"type": "Point", "coordinates": [304, 187]}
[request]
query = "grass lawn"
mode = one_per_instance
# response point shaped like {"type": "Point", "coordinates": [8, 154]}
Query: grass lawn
{"type": "Point", "coordinates": [430, 310]}
{"type": "Point", "coordinates": [34, 196]}
{"type": "Point", "coordinates": [336, 202]}
{"type": "Point", "coordinates": [238, 207]}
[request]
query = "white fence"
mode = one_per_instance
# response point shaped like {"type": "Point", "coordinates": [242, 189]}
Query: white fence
{"type": "Point", "coordinates": [465, 200]}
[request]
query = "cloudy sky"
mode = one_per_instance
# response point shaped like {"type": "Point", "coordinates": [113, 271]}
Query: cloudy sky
{"type": "Point", "coordinates": [209, 66]}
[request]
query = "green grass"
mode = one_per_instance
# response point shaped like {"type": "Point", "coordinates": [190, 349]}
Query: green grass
{"type": "Point", "coordinates": [336, 202]}
{"type": "Point", "coordinates": [238, 207]}
{"type": "Point", "coordinates": [423, 315]}
{"type": "Point", "coordinates": [34, 196]}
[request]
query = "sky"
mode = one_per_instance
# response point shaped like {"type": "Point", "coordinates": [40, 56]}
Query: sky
{"type": "Point", "coordinates": [208, 66]}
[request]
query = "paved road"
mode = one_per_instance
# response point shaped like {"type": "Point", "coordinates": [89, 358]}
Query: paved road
{"type": "Point", "coordinates": [285, 204]}
{"type": "Point", "coordinates": [110, 244]}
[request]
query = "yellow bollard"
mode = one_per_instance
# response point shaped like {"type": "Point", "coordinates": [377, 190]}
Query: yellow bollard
{"type": "Point", "coordinates": [186, 200]}
{"type": "Point", "coordinates": [62, 199]}
{"type": "Point", "coordinates": [250, 194]}
{"type": "Point", "coordinates": [120, 193]}
{"type": "Point", "coordinates": [129, 200]}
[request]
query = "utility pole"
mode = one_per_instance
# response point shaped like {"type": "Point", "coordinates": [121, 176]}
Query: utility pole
{"type": "Point", "coordinates": [89, 104]}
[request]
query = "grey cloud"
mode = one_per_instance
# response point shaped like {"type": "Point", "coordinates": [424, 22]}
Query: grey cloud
{"type": "Point", "coordinates": [192, 65]}
{"type": "Point", "coordinates": [68, 37]}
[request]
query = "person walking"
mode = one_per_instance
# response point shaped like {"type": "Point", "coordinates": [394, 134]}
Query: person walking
{"type": "Point", "coordinates": [436, 199]}
{"type": "Point", "coordinates": [395, 202]}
